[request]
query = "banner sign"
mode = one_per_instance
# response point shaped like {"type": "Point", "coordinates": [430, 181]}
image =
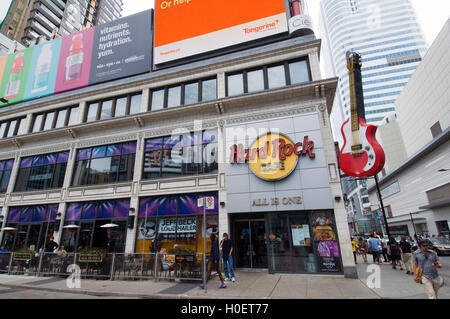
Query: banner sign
{"type": "Point", "coordinates": [185, 28]}
{"type": "Point", "coordinates": [185, 225]}
{"type": "Point", "coordinates": [107, 52]}
{"type": "Point", "coordinates": [112, 57]}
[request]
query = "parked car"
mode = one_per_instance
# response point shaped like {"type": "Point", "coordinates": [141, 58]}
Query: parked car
{"type": "Point", "coordinates": [441, 245]}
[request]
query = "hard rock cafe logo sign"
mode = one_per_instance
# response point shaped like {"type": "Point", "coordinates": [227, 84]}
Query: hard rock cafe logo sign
{"type": "Point", "coordinates": [272, 157]}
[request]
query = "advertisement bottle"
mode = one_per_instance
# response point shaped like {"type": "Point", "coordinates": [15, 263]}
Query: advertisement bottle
{"type": "Point", "coordinates": [74, 61]}
{"type": "Point", "coordinates": [13, 87]}
{"type": "Point", "coordinates": [42, 72]}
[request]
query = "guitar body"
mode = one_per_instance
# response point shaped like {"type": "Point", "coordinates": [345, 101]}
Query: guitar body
{"type": "Point", "coordinates": [372, 158]}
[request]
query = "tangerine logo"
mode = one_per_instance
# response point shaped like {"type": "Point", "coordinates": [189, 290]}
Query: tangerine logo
{"type": "Point", "coordinates": [273, 156]}
{"type": "Point", "coordinates": [261, 28]}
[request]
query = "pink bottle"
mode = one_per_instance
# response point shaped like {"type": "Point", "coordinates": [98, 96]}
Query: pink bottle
{"type": "Point", "coordinates": [13, 87]}
{"type": "Point", "coordinates": [74, 61]}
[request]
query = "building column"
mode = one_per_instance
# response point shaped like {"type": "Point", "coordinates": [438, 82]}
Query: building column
{"type": "Point", "coordinates": [130, 245]}
{"type": "Point", "coordinates": [145, 99]}
{"type": "Point", "coordinates": [224, 226]}
{"type": "Point", "coordinates": [221, 85]}
{"type": "Point", "coordinates": [64, 193]}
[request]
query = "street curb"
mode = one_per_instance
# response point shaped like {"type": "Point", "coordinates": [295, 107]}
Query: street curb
{"type": "Point", "coordinates": [116, 294]}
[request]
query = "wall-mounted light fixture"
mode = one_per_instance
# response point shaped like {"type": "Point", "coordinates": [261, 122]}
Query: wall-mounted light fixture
{"type": "Point", "coordinates": [58, 221]}
{"type": "Point", "coordinates": [131, 218]}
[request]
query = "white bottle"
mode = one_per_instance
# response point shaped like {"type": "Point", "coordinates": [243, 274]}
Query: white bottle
{"type": "Point", "coordinates": [42, 72]}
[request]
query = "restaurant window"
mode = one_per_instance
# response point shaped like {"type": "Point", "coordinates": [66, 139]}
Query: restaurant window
{"type": "Point", "coordinates": [181, 155]}
{"type": "Point", "coordinates": [175, 219]}
{"type": "Point", "coordinates": [42, 172]}
{"type": "Point", "coordinates": [303, 243]}
{"type": "Point", "coordinates": [5, 174]}
{"type": "Point", "coordinates": [82, 225]}
{"type": "Point", "coordinates": [115, 107]}
{"type": "Point", "coordinates": [33, 226]}
{"type": "Point", "coordinates": [268, 77]}
{"type": "Point", "coordinates": [12, 128]}
{"type": "Point", "coordinates": [55, 119]}
{"type": "Point", "coordinates": [104, 164]}
{"type": "Point", "coordinates": [183, 94]}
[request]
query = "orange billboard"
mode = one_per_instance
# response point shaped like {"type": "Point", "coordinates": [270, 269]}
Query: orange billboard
{"type": "Point", "coordinates": [188, 27]}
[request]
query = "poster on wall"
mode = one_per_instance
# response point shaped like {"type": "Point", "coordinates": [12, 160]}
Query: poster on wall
{"type": "Point", "coordinates": [111, 54]}
{"type": "Point", "coordinates": [209, 25]}
{"type": "Point", "coordinates": [300, 235]}
{"type": "Point", "coordinates": [75, 61]}
{"type": "Point", "coordinates": [329, 264]}
{"type": "Point", "coordinates": [147, 230]}
{"type": "Point", "coordinates": [327, 249]}
{"type": "Point", "coordinates": [324, 233]}
{"type": "Point", "coordinates": [42, 75]}
{"type": "Point", "coordinates": [187, 227]}
{"type": "Point", "coordinates": [322, 219]}
{"type": "Point", "coordinates": [15, 76]}
{"type": "Point", "coordinates": [212, 225]}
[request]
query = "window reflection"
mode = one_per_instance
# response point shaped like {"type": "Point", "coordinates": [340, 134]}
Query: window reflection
{"type": "Point", "coordinates": [157, 100]}
{"type": "Point", "coordinates": [92, 112]}
{"type": "Point", "coordinates": [255, 81]}
{"type": "Point", "coordinates": [174, 98]}
{"type": "Point", "coordinates": [276, 77]}
{"type": "Point", "coordinates": [106, 110]}
{"type": "Point", "coordinates": [235, 84]}
{"type": "Point", "coordinates": [299, 72]}
{"type": "Point", "coordinates": [191, 93]}
{"type": "Point", "coordinates": [209, 90]}
{"type": "Point", "coordinates": [135, 104]}
{"type": "Point", "coordinates": [121, 107]}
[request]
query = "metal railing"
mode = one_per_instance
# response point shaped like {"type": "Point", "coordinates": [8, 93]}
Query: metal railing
{"type": "Point", "coordinates": [116, 266]}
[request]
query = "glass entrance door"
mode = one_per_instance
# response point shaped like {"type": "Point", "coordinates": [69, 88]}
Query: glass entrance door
{"type": "Point", "coordinates": [34, 237]}
{"type": "Point", "coordinates": [250, 244]}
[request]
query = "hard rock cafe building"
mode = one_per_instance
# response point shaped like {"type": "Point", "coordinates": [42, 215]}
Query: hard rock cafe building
{"type": "Point", "coordinates": [248, 127]}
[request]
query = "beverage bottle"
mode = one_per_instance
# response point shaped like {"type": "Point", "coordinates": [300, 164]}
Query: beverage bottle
{"type": "Point", "coordinates": [43, 69]}
{"type": "Point", "coordinates": [12, 89]}
{"type": "Point", "coordinates": [74, 61]}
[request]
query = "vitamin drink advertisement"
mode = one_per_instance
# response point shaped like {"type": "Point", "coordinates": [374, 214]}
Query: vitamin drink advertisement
{"type": "Point", "coordinates": [42, 75]}
{"type": "Point", "coordinates": [75, 61]}
{"type": "Point", "coordinates": [15, 76]}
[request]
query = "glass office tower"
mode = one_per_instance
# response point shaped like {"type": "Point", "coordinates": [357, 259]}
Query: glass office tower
{"type": "Point", "coordinates": [388, 35]}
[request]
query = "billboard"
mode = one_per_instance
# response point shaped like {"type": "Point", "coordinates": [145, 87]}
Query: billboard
{"type": "Point", "coordinates": [112, 57]}
{"type": "Point", "coordinates": [107, 52]}
{"type": "Point", "coordinates": [188, 27]}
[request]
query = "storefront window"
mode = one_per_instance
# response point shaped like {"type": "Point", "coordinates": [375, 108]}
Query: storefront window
{"type": "Point", "coordinates": [42, 172]}
{"type": "Point", "coordinates": [176, 219]}
{"type": "Point", "coordinates": [83, 225]}
{"type": "Point", "coordinates": [5, 174]}
{"type": "Point", "coordinates": [34, 225]}
{"type": "Point", "coordinates": [303, 243]}
{"type": "Point", "coordinates": [181, 155]}
{"type": "Point", "coordinates": [104, 164]}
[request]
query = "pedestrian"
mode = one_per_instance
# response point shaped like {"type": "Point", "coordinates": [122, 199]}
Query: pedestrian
{"type": "Point", "coordinates": [354, 248]}
{"type": "Point", "coordinates": [362, 245]}
{"type": "Point", "coordinates": [425, 263]}
{"type": "Point", "coordinates": [227, 249]}
{"type": "Point", "coordinates": [51, 245]}
{"type": "Point", "coordinates": [406, 250]}
{"type": "Point", "coordinates": [213, 261]}
{"type": "Point", "coordinates": [374, 248]}
{"type": "Point", "coordinates": [394, 253]}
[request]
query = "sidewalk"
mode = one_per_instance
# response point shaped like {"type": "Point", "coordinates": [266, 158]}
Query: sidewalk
{"type": "Point", "coordinates": [250, 285]}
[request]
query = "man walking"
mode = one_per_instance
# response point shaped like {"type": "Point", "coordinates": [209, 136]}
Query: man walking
{"type": "Point", "coordinates": [425, 262]}
{"type": "Point", "coordinates": [227, 249]}
{"type": "Point", "coordinates": [375, 248]}
{"type": "Point", "coordinates": [214, 259]}
{"type": "Point", "coordinates": [405, 248]}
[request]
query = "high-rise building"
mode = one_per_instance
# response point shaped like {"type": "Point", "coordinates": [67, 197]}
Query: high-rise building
{"type": "Point", "coordinates": [390, 40]}
{"type": "Point", "coordinates": [49, 18]}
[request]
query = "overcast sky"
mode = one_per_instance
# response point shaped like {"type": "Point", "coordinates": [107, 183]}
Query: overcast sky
{"type": "Point", "coordinates": [432, 14]}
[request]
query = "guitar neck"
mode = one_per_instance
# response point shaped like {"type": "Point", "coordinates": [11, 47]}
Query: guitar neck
{"type": "Point", "coordinates": [356, 145]}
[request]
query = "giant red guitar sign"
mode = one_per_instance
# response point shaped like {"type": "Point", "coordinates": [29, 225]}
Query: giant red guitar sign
{"type": "Point", "coordinates": [361, 155]}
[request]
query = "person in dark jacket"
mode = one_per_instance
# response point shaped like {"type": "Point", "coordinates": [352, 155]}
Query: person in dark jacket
{"type": "Point", "coordinates": [51, 245]}
{"type": "Point", "coordinates": [213, 261]}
